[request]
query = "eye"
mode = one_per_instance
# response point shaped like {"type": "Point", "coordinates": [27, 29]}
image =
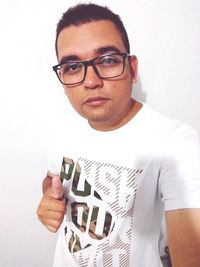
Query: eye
{"type": "Point", "coordinates": [71, 67]}
{"type": "Point", "coordinates": [109, 60]}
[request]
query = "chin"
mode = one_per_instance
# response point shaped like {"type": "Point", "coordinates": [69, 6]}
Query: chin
{"type": "Point", "coordinates": [97, 117]}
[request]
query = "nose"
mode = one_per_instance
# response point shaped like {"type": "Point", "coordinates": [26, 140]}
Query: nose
{"type": "Point", "coordinates": [92, 80]}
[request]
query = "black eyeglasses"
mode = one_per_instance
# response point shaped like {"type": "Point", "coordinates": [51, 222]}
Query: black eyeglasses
{"type": "Point", "coordinates": [106, 67]}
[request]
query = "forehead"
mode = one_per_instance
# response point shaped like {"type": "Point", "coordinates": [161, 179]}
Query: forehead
{"type": "Point", "coordinates": [85, 40]}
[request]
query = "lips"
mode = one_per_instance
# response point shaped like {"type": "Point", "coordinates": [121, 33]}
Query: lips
{"type": "Point", "coordinates": [96, 101]}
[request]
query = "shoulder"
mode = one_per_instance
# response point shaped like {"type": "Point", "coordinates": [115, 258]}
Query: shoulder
{"type": "Point", "coordinates": [171, 129]}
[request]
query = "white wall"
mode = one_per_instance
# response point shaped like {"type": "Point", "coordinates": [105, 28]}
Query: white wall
{"type": "Point", "coordinates": [165, 35]}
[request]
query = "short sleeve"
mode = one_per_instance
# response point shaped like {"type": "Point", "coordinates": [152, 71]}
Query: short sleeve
{"type": "Point", "coordinates": [180, 170]}
{"type": "Point", "coordinates": [53, 163]}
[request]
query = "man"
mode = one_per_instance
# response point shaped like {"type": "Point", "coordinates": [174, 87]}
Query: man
{"type": "Point", "coordinates": [126, 168]}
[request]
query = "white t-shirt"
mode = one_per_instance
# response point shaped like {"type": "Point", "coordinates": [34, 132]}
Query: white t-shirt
{"type": "Point", "coordinates": [118, 185]}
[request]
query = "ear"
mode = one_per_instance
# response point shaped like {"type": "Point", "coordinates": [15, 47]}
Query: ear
{"type": "Point", "coordinates": [134, 68]}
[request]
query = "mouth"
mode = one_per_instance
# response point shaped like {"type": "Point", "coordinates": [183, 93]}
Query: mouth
{"type": "Point", "coordinates": [96, 101]}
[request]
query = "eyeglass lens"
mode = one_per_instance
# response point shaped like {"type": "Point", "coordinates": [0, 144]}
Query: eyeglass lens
{"type": "Point", "coordinates": [107, 66]}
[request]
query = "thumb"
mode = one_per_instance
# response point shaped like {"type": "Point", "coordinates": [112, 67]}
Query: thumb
{"type": "Point", "coordinates": [57, 188]}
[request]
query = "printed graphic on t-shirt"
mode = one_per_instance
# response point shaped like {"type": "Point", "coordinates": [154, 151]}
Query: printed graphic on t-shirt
{"type": "Point", "coordinates": [100, 207]}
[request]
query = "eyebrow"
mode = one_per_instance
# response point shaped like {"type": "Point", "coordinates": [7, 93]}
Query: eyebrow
{"type": "Point", "coordinates": [99, 51]}
{"type": "Point", "coordinates": [108, 48]}
{"type": "Point", "coordinates": [69, 58]}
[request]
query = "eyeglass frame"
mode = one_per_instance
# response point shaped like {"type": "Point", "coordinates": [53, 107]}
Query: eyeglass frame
{"type": "Point", "coordinates": [91, 63]}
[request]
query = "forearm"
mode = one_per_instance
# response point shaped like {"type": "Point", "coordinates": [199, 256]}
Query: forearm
{"type": "Point", "coordinates": [184, 237]}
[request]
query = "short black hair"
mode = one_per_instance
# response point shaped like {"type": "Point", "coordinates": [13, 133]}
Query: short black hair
{"type": "Point", "coordinates": [85, 13]}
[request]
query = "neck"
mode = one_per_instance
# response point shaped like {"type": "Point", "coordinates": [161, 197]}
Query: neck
{"type": "Point", "coordinates": [132, 109]}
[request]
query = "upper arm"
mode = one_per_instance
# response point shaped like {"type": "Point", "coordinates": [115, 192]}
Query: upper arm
{"type": "Point", "coordinates": [183, 230]}
{"type": "Point", "coordinates": [180, 189]}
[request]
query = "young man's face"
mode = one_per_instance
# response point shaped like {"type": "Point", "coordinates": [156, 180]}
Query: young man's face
{"type": "Point", "coordinates": [104, 103]}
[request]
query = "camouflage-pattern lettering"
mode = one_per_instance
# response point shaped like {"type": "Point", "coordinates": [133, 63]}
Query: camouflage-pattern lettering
{"type": "Point", "coordinates": [74, 207]}
{"type": "Point", "coordinates": [74, 243]}
{"type": "Point", "coordinates": [87, 187]}
{"type": "Point", "coordinates": [66, 174]}
{"type": "Point", "coordinates": [107, 224]}
{"type": "Point", "coordinates": [63, 174]}
{"type": "Point", "coordinates": [80, 211]}
{"type": "Point", "coordinates": [93, 222]}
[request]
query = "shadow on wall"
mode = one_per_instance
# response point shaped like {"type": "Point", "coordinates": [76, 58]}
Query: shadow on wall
{"type": "Point", "coordinates": [138, 93]}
